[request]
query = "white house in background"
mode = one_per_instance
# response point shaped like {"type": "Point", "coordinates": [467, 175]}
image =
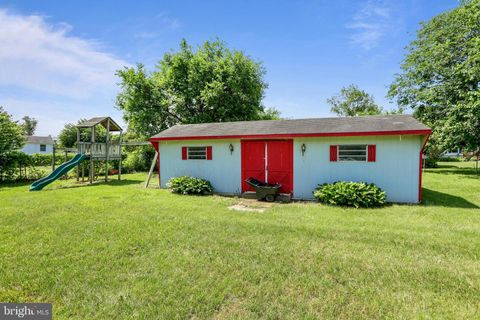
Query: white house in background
{"type": "Point", "coordinates": [299, 154]}
{"type": "Point", "coordinates": [36, 144]}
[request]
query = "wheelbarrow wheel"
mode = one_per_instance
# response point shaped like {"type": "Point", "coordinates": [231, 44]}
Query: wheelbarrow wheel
{"type": "Point", "coordinates": [270, 198]}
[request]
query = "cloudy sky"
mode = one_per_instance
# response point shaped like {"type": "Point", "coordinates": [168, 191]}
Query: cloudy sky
{"type": "Point", "coordinates": [58, 58]}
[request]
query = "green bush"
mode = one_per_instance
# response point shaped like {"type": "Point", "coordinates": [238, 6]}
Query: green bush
{"type": "Point", "coordinates": [43, 160]}
{"type": "Point", "coordinates": [430, 163]}
{"type": "Point", "coordinates": [190, 185]}
{"type": "Point", "coordinates": [351, 194]}
{"type": "Point", "coordinates": [17, 166]}
{"type": "Point", "coordinates": [136, 160]}
{"type": "Point", "coordinates": [450, 159]}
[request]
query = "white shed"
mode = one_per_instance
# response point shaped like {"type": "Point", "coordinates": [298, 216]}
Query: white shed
{"type": "Point", "coordinates": [37, 144]}
{"type": "Point", "coordinates": [299, 154]}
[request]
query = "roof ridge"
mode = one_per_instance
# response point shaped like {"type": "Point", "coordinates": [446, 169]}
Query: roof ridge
{"type": "Point", "coordinates": [298, 119]}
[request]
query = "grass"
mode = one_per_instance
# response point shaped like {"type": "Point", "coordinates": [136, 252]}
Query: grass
{"type": "Point", "coordinates": [120, 251]}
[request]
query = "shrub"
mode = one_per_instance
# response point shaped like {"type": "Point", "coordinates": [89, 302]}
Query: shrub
{"type": "Point", "coordinates": [16, 166]}
{"type": "Point", "coordinates": [352, 194]}
{"type": "Point", "coordinates": [41, 160]}
{"type": "Point", "coordinates": [450, 159]}
{"type": "Point", "coordinates": [137, 160]}
{"type": "Point", "coordinates": [44, 160]}
{"type": "Point", "coordinates": [190, 185]}
{"type": "Point", "coordinates": [430, 163]}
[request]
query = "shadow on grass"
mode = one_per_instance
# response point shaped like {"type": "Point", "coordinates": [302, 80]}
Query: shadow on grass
{"type": "Point", "coordinates": [467, 172]}
{"type": "Point", "coordinates": [101, 183]}
{"type": "Point", "coordinates": [435, 198]}
{"type": "Point", "coordinates": [14, 184]}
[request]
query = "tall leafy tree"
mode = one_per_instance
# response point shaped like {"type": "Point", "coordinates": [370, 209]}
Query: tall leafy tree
{"type": "Point", "coordinates": [440, 77]}
{"type": "Point", "coordinates": [351, 101]}
{"type": "Point", "coordinates": [210, 84]}
{"type": "Point", "coordinates": [68, 136]}
{"type": "Point", "coordinates": [11, 134]}
{"type": "Point", "coordinates": [29, 125]}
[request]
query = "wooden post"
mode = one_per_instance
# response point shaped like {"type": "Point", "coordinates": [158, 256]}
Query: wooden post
{"type": "Point", "coordinates": [53, 158]}
{"type": "Point", "coordinates": [120, 161]}
{"type": "Point", "coordinates": [92, 140]}
{"type": "Point", "coordinates": [152, 166]}
{"type": "Point", "coordinates": [159, 174]}
{"type": "Point", "coordinates": [107, 140]}
{"type": "Point", "coordinates": [78, 150]}
{"type": "Point", "coordinates": [65, 177]}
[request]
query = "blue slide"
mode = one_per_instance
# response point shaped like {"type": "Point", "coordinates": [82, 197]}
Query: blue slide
{"type": "Point", "coordinates": [57, 173]}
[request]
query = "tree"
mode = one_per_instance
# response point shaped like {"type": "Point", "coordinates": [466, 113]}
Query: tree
{"type": "Point", "coordinates": [269, 114]}
{"type": "Point", "coordinates": [353, 102]}
{"type": "Point", "coordinates": [440, 77]}
{"type": "Point", "coordinates": [68, 136]}
{"type": "Point", "coordinates": [211, 84]}
{"type": "Point", "coordinates": [11, 134]}
{"type": "Point", "coordinates": [11, 139]}
{"type": "Point", "coordinates": [29, 125]}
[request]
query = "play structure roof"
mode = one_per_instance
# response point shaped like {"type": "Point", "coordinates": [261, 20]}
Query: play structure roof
{"type": "Point", "coordinates": [102, 121]}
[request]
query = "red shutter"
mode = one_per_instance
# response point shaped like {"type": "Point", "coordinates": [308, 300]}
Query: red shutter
{"type": "Point", "coordinates": [184, 153]}
{"type": "Point", "coordinates": [372, 153]}
{"type": "Point", "coordinates": [209, 153]}
{"type": "Point", "coordinates": [333, 153]}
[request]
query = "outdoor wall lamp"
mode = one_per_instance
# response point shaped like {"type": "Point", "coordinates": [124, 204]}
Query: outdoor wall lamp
{"type": "Point", "coordinates": [304, 148]}
{"type": "Point", "coordinates": [230, 147]}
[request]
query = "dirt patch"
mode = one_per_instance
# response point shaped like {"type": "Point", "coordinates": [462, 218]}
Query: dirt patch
{"type": "Point", "coordinates": [251, 205]}
{"type": "Point", "coordinates": [240, 207]}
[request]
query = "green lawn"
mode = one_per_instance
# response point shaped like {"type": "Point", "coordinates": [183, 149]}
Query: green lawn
{"type": "Point", "coordinates": [118, 251]}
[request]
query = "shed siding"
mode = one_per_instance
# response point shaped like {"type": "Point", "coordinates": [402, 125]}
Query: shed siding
{"type": "Point", "coordinates": [223, 171]}
{"type": "Point", "coordinates": [32, 148]}
{"type": "Point", "coordinates": [395, 170]}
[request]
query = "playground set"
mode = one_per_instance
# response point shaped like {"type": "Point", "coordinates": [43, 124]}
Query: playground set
{"type": "Point", "coordinates": [91, 151]}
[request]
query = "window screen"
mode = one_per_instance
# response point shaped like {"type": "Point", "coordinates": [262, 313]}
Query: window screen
{"type": "Point", "coordinates": [197, 153]}
{"type": "Point", "coordinates": [352, 152]}
{"type": "Point", "coordinates": [43, 147]}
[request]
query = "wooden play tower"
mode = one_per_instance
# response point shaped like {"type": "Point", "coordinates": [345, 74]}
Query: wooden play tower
{"type": "Point", "coordinates": [99, 151]}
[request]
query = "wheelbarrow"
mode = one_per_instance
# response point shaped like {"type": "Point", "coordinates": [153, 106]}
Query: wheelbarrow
{"type": "Point", "coordinates": [264, 190]}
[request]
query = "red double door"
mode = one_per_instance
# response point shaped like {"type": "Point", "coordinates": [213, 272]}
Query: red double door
{"type": "Point", "coordinates": [268, 161]}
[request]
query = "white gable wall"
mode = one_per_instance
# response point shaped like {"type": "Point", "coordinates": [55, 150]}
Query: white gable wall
{"type": "Point", "coordinates": [395, 170]}
{"type": "Point", "coordinates": [223, 171]}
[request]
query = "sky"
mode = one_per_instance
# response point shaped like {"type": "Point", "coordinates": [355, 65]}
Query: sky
{"type": "Point", "coordinates": [58, 58]}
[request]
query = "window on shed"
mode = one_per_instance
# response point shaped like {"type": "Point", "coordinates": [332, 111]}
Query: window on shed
{"type": "Point", "coordinates": [43, 147]}
{"type": "Point", "coordinates": [197, 153]}
{"type": "Point", "coordinates": [352, 152]}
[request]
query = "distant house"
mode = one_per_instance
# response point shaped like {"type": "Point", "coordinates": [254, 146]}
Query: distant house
{"type": "Point", "coordinates": [299, 154]}
{"type": "Point", "coordinates": [452, 153]}
{"type": "Point", "coordinates": [36, 144]}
